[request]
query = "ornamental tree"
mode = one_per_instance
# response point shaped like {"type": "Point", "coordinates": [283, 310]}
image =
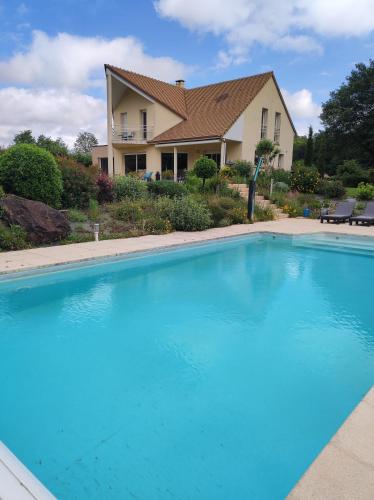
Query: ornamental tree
{"type": "Point", "coordinates": [205, 168]}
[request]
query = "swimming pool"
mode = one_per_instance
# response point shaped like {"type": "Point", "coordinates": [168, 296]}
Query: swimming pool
{"type": "Point", "coordinates": [210, 372]}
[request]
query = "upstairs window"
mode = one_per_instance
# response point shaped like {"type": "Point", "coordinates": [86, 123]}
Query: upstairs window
{"type": "Point", "coordinates": [124, 123]}
{"type": "Point", "coordinates": [277, 127]}
{"type": "Point", "coordinates": [264, 123]}
{"type": "Point", "coordinates": [143, 123]}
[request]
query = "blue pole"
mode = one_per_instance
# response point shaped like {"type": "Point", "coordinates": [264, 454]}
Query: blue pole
{"type": "Point", "coordinates": [252, 190]}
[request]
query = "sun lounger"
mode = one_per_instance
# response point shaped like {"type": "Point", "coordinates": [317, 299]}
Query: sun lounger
{"type": "Point", "coordinates": [342, 212]}
{"type": "Point", "coordinates": [367, 217]}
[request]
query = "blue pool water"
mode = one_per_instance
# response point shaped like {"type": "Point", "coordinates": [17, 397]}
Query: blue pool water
{"type": "Point", "coordinates": [214, 372]}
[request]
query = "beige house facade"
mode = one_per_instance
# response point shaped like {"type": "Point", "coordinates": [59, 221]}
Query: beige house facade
{"type": "Point", "coordinates": [154, 126]}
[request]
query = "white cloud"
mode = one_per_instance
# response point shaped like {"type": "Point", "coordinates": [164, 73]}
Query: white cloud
{"type": "Point", "coordinates": [303, 109]}
{"type": "Point", "coordinates": [78, 62]}
{"type": "Point", "coordinates": [283, 25]}
{"type": "Point", "coordinates": [58, 72]}
{"type": "Point", "coordinates": [54, 113]}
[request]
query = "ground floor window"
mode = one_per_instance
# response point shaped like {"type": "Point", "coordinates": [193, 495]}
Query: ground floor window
{"type": "Point", "coordinates": [135, 162]}
{"type": "Point", "coordinates": [216, 157]}
{"type": "Point", "coordinates": [167, 164]}
{"type": "Point", "coordinates": [103, 163]}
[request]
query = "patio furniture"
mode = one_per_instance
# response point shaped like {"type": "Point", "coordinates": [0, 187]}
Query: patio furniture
{"type": "Point", "coordinates": [342, 213]}
{"type": "Point", "coordinates": [147, 176]}
{"type": "Point", "coordinates": [367, 217]}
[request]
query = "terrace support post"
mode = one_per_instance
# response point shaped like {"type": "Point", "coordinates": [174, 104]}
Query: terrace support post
{"type": "Point", "coordinates": [175, 150]}
{"type": "Point", "coordinates": [111, 167]}
{"type": "Point", "coordinates": [223, 154]}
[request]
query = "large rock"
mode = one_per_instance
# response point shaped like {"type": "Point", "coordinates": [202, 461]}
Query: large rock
{"type": "Point", "coordinates": [42, 223]}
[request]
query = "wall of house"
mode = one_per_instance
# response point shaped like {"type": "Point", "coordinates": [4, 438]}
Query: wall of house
{"type": "Point", "coordinates": [97, 152]}
{"type": "Point", "coordinates": [158, 116]}
{"type": "Point", "coordinates": [267, 98]}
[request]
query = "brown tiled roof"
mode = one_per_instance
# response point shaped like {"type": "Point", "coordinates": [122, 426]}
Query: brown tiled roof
{"type": "Point", "coordinates": [213, 109]}
{"type": "Point", "coordinates": [169, 95]}
{"type": "Point", "coordinates": [208, 112]}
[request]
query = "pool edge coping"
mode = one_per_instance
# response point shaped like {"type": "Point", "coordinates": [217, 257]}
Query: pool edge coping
{"type": "Point", "coordinates": [344, 468]}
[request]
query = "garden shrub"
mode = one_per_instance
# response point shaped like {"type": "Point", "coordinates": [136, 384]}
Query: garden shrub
{"type": "Point", "coordinates": [281, 186]}
{"type": "Point", "coordinates": [2, 192]}
{"type": "Point", "coordinates": [93, 209]}
{"type": "Point", "coordinates": [167, 175]}
{"type": "Point", "coordinates": [281, 175]}
{"type": "Point", "coordinates": [75, 215]}
{"type": "Point", "coordinates": [365, 191]}
{"type": "Point", "coordinates": [188, 214]}
{"type": "Point", "coordinates": [105, 192]}
{"type": "Point", "coordinates": [13, 238]}
{"type": "Point", "coordinates": [158, 225]}
{"type": "Point", "coordinates": [29, 171]}
{"type": "Point", "coordinates": [192, 182]}
{"type": "Point", "coordinates": [278, 198]}
{"type": "Point", "coordinates": [78, 185]}
{"type": "Point", "coordinates": [128, 187]}
{"type": "Point", "coordinates": [242, 168]}
{"type": "Point", "coordinates": [238, 215]}
{"type": "Point", "coordinates": [263, 213]}
{"type": "Point", "coordinates": [351, 173]}
{"type": "Point", "coordinates": [293, 208]}
{"type": "Point", "coordinates": [219, 208]}
{"type": "Point", "coordinates": [304, 179]}
{"type": "Point", "coordinates": [167, 188]}
{"type": "Point", "coordinates": [330, 188]}
{"type": "Point", "coordinates": [227, 172]}
{"type": "Point", "coordinates": [205, 168]}
{"type": "Point", "coordinates": [129, 211]}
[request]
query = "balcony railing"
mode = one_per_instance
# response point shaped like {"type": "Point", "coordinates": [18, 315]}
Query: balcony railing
{"type": "Point", "coordinates": [132, 135]}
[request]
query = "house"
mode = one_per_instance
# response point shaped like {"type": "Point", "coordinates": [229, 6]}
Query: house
{"type": "Point", "coordinates": [156, 126]}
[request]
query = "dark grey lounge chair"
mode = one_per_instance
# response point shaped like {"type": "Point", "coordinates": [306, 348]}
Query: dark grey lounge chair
{"type": "Point", "coordinates": [342, 213]}
{"type": "Point", "coordinates": [367, 217]}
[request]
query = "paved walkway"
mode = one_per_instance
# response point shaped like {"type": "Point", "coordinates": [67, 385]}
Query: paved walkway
{"type": "Point", "coordinates": [63, 254]}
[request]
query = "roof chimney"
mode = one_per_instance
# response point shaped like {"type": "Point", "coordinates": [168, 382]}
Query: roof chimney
{"type": "Point", "coordinates": [180, 83]}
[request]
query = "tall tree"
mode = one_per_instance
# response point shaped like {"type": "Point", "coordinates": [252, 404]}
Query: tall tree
{"type": "Point", "coordinates": [309, 152]}
{"type": "Point", "coordinates": [348, 116]}
{"type": "Point", "coordinates": [55, 146]}
{"type": "Point", "coordinates": [85, 142]}
{"type": "Point", "coordinates": [299, 148]}
{"type": "Point", "coordinates": [24, 137]}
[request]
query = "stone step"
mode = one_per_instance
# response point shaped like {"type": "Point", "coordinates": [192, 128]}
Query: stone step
{"type": "Point", "coordinates": [259, 200]}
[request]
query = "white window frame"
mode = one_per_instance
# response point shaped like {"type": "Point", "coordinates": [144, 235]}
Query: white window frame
{"type": "Point", "coordinates": [264, 123]}
{"type": "Point", "coordinates": [277, 127]}
{"type": "Point", "coordinates": [136, 154]}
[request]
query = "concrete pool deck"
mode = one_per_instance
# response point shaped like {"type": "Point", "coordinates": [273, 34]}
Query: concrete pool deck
{"type": "Point", "coordinates": [345, 467]}
{"type": "Point", "coordinates": [23, 260]}
{"type": "Point", "coordinates": [344, 470]}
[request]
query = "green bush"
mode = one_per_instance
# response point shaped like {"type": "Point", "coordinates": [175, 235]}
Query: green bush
{"type": "Point", "coordinates": [365, 191]}
{"type": "Point", "coordinates": [13, 238]}
{"type": "Point", "coordinates": [167, 175]}
{"type": "Point", "coordinates": [29, 171]}
{"type": "Point", "coordinates": [304, 179]}
{"type": "Point", "coordinates": [281, 186]}
{"type": "Point", "coordinates": [93, 209]}
{"type": "Point", "coordinates": [167, 188]}
{"type": "Point", "coordinates": [75, 215]}
{"type": "Point", "coordinates": [263, 213]}
{"type": "Point", "coordinates": [157, 225]}
{"type": "Point", "coordinates": [242, 168]}
{"type": "Point", "coordinates": [281, 175]}
{"type": "Point", "coordinates": [128, 187]}
{"type": "Point", "coordinates": [192, 182]}
{"type": "Point", "coordinates": [219, 208]}
{"type": "Point", "coordinates": [79, 185]}
{"type": "Point", "coordinates": [130, 211]}
{"type": "Point", "coordinates": [351, 173]}
{"type": "Point", "coordinates": [205, 168]}
{"type": "Point", "coordinates": [188, 214]}
{"type": "Point", "coordinates": [330, 188]}
{"type": "Point", "coordinates": [2, 192]}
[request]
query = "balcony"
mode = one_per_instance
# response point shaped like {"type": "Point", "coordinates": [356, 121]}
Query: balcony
{"type": "Point", "coordinates": [132, 135]}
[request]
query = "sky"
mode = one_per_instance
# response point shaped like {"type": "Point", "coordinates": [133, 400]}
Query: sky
{"type": "Point", "coordinates": [52, 53]}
